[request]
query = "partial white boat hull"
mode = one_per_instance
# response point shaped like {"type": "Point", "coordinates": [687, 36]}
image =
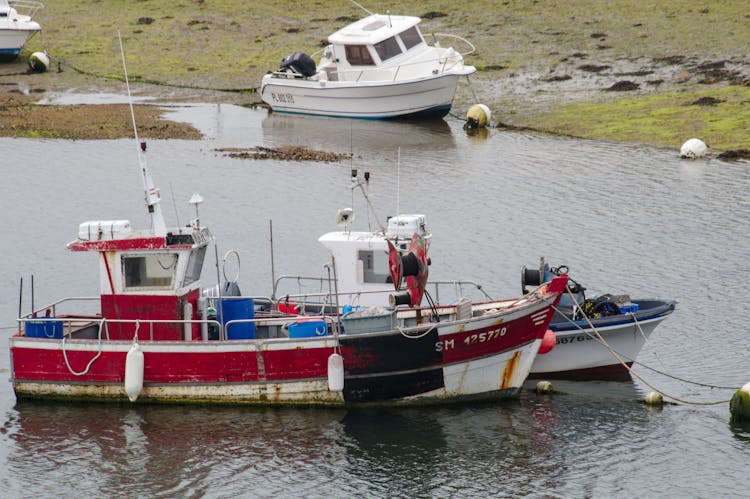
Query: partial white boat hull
{"type": "Point", "coordinates": [578, 353]}
{"type": "Point", "coordinates": [366, 100]}
{"type": "Point", "coordinates": [13, 40]}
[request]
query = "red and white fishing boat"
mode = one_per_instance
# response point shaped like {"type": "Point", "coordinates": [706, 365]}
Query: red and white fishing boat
{"type": "Point", "coordinates": [594, 338]}
{"type": "Point", "coordinates": [154, 336]}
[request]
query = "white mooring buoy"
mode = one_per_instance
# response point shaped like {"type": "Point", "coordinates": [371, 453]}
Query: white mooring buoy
{"type": "Point", "coordinates": [39, 62]}
{"type": "Point", "coordinates": [544, 387]}
{"type": "Point", "coordinates": [478, 116]}
{"type": "Point", "coordinates": [739, 406]}
{"type": "Point", "coordinates": [654, 398]}
{"type": "Point", "coordinates": [693, 148]}
{"type": "Point", "coordinates": [134, 372]}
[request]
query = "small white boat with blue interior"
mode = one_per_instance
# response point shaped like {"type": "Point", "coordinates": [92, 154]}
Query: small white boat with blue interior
{"type": "Point", "coordinates": [598, 337]}
{"type": "Point", "coordinates": [375, 68]}
{"type": "Point", "coordinates": [16, 26]}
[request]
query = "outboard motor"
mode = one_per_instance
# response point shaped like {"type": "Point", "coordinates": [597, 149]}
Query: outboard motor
{"type": "Point", "coordinates": [230, 288]}
{"type": "Point", "coordinates": [545, 273]}
{"type": "Point", "coordinates": [299, 63]}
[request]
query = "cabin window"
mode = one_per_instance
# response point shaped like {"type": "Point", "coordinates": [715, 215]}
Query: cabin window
{"type": "Point", "coordinates": [358, 55]}
{"type": "Point", "coordinates": [194, 265]}
{"type": "Point", "coordinates": [388, 48]}
{"type": "Point", "coordinates": [411, 37]}
{"type": "Point", "coordinates": [156, 271]}
{"type": "Point", "coordinates": [375, 266]}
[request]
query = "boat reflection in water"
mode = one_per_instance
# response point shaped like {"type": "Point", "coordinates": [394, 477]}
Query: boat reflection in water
{"type": "Point", "coordinates": [525, 445]}
{"type": "Point", "coordinates": [175, 449]}
{"type": "Point", "coordinates": [389, 447]}
{"type": "Point", "coordinates": [346, 135]}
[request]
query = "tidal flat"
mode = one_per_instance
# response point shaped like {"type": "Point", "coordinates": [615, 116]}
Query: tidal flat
{"type": "Point", "coordinates": [625, 70]}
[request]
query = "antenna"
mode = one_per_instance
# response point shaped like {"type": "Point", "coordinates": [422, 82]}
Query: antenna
{"type": "Point", "coordinates": [398, 182]}
{"type": "Point", "coordinates": [371, 209]}
{"type": "Point", "coordinates": [358, 5]}
{"type": "Point", "coordinates": [174, 204]}
{"type": "Point", "coordinates": [196, 199]}
{"type": "Point", "coordinates": [151, 193]}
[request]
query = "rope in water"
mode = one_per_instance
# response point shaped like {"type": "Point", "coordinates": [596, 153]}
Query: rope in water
{"type": "Point", "coordinates": [630, 369]}
{"type": "Point", "coordinates": [641, 364]}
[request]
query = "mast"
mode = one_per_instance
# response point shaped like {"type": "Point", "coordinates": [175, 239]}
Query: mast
{"type": "Point", "coordinates": [151, 193]}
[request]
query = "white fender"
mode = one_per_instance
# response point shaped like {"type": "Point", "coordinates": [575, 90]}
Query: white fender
{"type": "Point", "coordinates": [187, 314]}
{"type": "Point", "coordinates": [335, 372]}
{"type": "Point", "coordinates": [134, 372]}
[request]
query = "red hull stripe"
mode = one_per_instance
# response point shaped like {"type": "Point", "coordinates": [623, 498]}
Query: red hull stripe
{"type": "Point", "coordinates": [137, 243]}
{"type": "Point", "coordinates": [613, 372]}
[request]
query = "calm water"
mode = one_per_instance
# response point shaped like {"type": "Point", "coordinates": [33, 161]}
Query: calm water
{"type": "Point", "coordinates": [625, 219]}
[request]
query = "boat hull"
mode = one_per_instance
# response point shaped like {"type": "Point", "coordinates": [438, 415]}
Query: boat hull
{"type": "Point", "coordinates": [476, 359]}
{"type": "Point", "coordinates": [418, 98]}
{"type": "Point", "coordinates": [12, 41]}
{"type": "Point", "coordinates": [578, 353]}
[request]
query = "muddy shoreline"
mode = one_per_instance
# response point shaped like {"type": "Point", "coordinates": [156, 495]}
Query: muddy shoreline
{"type": "Point", "coordinates": [655, 75]}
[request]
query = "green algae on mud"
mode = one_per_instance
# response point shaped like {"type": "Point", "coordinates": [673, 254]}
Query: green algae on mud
{"type": "Point", "coordinates": [231, 44]}
{"type": "Point", "coordinates": [531, 55]}
{"type": "Point", "coordinates": [661, 119]}
{"type": "Point", "coordinates": [20, 117]}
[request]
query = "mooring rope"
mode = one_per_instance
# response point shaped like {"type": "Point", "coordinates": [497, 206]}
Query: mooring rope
{"type": "Point", "coordinates": [641, 364]}
{"type": "Point", "coordinates": [629, 368]}
{"type": "Point", "coordinates": [415, 336]}
{"type": "Point", "coordinates": [471, 89]}
{"type": "Point", "coordinates": [249, 90]}
{"type": "Point", "coordinates": [91, 362]}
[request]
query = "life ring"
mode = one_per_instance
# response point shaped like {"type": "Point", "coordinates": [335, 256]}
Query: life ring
{"type": "Point", "coordinates": [416, 284]}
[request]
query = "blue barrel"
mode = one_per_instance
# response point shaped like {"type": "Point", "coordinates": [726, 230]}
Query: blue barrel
{"type": "Point", "coordinates": [236, 309]}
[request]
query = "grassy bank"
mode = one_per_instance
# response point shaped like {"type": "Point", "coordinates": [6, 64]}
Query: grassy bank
{"type": "Point", "coordinates": [720, 117]}
{"type": "Point", "coordinates": [543, 65]}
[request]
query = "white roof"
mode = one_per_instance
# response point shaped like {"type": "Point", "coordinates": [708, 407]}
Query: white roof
{"type": "Point", "coordinates": [365, 238]}
{"type": "Point", "coordinates": [373, 29]}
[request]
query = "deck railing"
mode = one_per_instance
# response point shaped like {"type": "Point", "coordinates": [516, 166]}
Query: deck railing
{"type": "Point", "coordinates": [26, 7]}
{"type": "Point", "coordinates": [326, 296]}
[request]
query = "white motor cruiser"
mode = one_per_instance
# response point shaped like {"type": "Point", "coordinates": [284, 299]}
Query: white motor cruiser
{"type": "Point", "coordinates": [378, 67]}
{"type": "Point", "coordinates": [16, 26]}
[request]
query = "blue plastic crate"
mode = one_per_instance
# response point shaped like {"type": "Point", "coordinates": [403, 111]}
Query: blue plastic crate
{"type": "Point", "coordinates": [629, 309]}
{"type": "Point", "coordinates": [44, 329]}
{"type": "Point", "coordinates": [308, 329]}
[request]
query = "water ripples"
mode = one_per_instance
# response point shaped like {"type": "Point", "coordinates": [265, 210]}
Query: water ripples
{"type": "Point", "coordinates": [625, 219]}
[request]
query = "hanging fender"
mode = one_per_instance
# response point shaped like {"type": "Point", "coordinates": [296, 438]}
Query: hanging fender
{"type": "Point", "coordinates": [134, 372]}
{"type": "Point", "coordinates": [335, 372]}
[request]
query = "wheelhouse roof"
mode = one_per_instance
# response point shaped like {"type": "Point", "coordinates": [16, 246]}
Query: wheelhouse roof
{"type": "Point", "coordinates": [372, 29]}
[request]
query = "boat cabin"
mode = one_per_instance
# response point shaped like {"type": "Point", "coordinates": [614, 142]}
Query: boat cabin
{"type": "Point", "coordinates": [362, 267]}
{"type": "Point", "coordinates": [377, 41]}
{"type": "Point", "coordinates": [147, 276]}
